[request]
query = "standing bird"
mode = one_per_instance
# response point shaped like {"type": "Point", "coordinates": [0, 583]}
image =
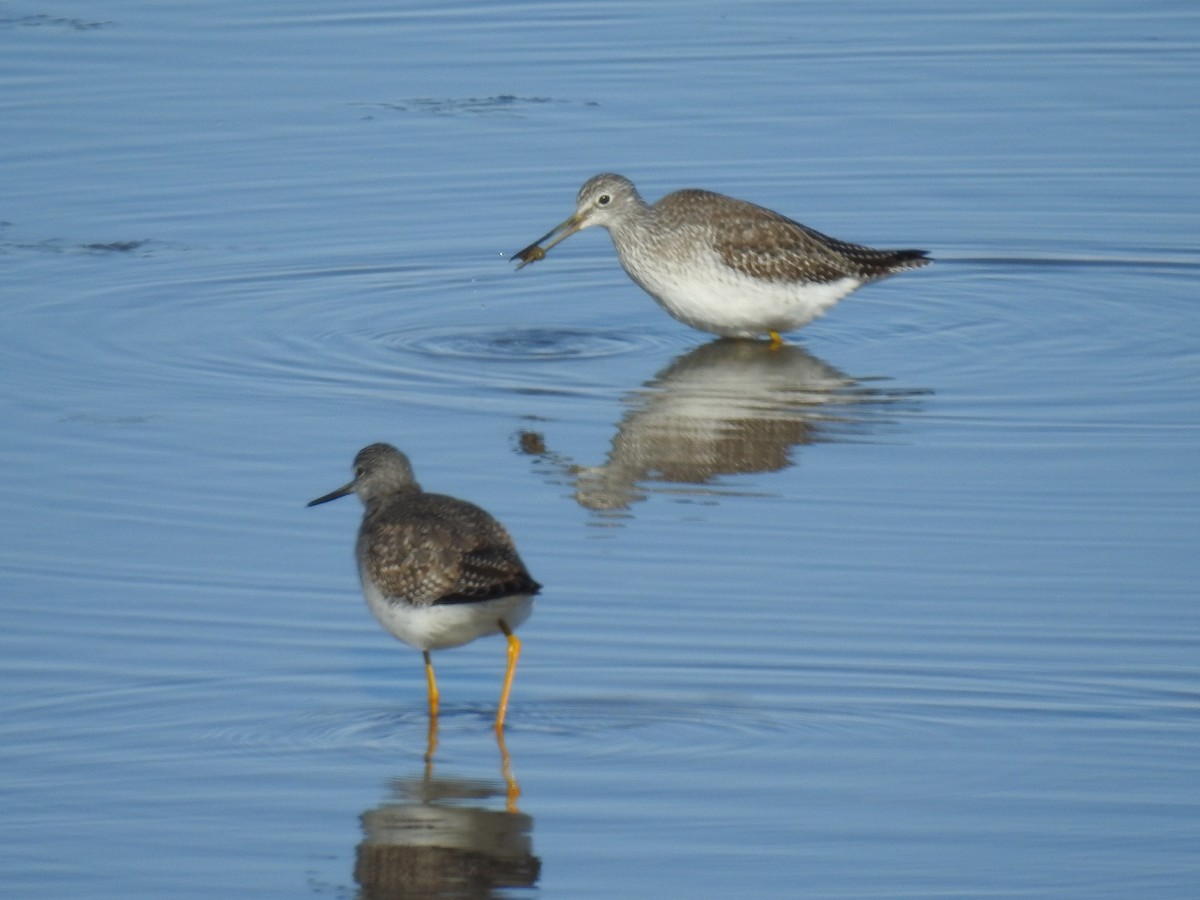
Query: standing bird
{"type": "Point", "coordinates": [436, 571]}
{"type": "Point", "coordinates": [720, 264]}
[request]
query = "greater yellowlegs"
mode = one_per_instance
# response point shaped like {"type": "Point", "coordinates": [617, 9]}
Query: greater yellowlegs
{"type": "Point", "coordinates": [720, 264]}
{"type": "Point", "coordinates": [437, 571]}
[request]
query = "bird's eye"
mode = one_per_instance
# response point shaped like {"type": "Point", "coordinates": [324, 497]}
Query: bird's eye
{"type": "Point", "coordinates": [358, 471]}
{"type": "Point", "coordinates": [603, 200]}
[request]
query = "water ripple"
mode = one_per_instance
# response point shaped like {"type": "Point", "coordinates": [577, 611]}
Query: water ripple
{"type": "Point", "coordinates": [522, 343]}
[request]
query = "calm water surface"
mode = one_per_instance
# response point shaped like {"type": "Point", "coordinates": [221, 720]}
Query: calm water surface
{"type": "Point", "coordinates": [907, 608]}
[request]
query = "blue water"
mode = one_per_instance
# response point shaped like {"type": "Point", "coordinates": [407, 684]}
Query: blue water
{"type": "Point", "coordinates": [908, 608]}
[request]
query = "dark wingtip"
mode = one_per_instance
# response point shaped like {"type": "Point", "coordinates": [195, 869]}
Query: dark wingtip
{"type": "Point", "coordinates": [899, 261]}
{"type": "Point", "coordinates": [882, 263]}
{"type": "Point", "coordinates": [520, 584]}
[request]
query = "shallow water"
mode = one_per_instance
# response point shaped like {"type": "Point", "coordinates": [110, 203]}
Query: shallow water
{"type": "Point", "coordinates": [907, 608]}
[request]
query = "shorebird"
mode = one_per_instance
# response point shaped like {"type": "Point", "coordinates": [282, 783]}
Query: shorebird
{"type": "Point", "coordinates": [720, 264]}
{"type": "Point", "coordinates": [436, 571]}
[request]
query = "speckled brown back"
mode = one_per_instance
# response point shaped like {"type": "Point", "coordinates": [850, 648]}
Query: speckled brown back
{"type": "Point", "coordinates": [430, 548]}
{"type": "Point", "coordinates": [765, 245]}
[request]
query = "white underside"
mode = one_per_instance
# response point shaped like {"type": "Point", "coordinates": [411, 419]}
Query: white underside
{"type": "Point", "coordinates": [708, 295]}
{"type": "Point", "coordinates": [446, 625]}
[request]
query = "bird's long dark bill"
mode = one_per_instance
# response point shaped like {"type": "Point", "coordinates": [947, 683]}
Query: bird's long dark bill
{"type": "Point", "coordinates": [536, 251]}
{"type": "Point", "coordinates": [333, 495]}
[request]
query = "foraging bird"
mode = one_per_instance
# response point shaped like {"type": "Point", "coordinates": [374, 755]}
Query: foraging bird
{"type": "Point", "coordinates": [720, 264]}
{"type": "Point", "coordinates": [436, 571]}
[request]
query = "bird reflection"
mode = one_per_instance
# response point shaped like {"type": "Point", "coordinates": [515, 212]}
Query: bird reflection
{"type": "Point", "coordinates": [438, 838]}
{"type": "Point", "coordinates": [728, 407]}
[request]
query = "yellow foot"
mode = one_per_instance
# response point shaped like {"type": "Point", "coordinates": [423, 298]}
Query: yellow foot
{"type": "Point", "coordinates": [512, 789]}
{"type": "Point", "coordinates": [776, 340]}
{"type": "Point", "coordinates": [431, 742]}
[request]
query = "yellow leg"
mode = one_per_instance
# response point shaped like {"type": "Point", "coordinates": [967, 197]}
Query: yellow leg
{"type": "Point", "coordinates": [434, 697]}
{"type": "Point", "coordinates": [776, 340]}
{"type": "Point", "coordinates": [514, 653]}
{"type": "Point", "coordinates": [512, 789]}
{"type": "Point", "coordinates": [430, 745]}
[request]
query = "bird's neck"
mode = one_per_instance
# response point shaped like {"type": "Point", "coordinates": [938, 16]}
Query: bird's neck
{"type": "Point", "coordinates": [397, 495]}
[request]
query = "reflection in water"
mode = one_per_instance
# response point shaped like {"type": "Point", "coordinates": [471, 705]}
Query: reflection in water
{"type": "Point", "coordinates": [728, 407]}
{"type": "Point", "coordinates": [437, 839]}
